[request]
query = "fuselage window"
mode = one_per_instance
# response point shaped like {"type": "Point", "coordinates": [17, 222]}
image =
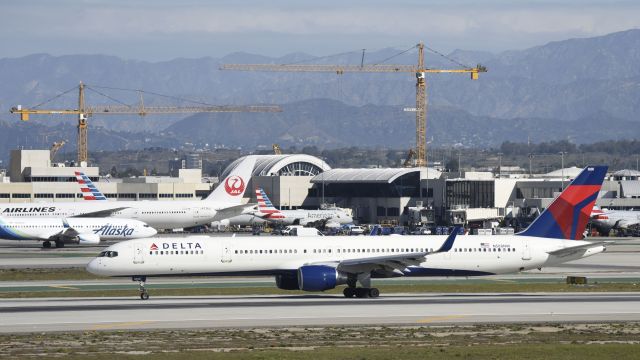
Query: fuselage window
{"type": "Point", "coordinates": [305, 251]}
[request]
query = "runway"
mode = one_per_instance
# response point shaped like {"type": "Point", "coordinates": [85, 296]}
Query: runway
{"type": "Point", "coordinates": [82, 314]}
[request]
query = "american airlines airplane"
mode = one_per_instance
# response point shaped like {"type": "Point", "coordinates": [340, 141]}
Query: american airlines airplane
{"type": "Point", "coordinates": [606, 220]}
{"type": "Point", "coordinates": [323, 263]}
{"type": "Point", "coordinates": [85, 231]}
{"type": "Point", "coordinates": [266, 212]}
{"type": "Point", "coordinates": [224, 202]}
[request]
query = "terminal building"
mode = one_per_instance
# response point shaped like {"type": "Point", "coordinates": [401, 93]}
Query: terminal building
{"type": "Point", "coordinates": [33, 178]}
{"type": "Point", "coordinates": [403, 196]}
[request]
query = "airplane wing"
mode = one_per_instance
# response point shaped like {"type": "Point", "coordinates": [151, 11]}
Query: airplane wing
{"type": "Point", "coordinates": [100, 213]}
{"type": "Point", "coordinates": [396, 263]}
{"type": "Point", "coordinates": [232, 211]}
{"type": "Point", "coordinates": [579, 248]}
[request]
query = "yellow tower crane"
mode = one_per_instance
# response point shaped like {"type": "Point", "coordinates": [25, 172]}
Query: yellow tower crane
{"type": "Point", "coordinates": [419, 70]}
{"type": "Point", "coordinates": [83, 112]}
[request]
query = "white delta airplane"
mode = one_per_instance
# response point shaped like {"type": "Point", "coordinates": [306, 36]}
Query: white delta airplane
{"type": "Point", "coordinates": [266, 212]}
{"type": "Point", "coordinates": [224, 202]}
{"type": "Point", "coordinates": [83, 231]}
{"type": "Point", "coordinates": [322, 263]}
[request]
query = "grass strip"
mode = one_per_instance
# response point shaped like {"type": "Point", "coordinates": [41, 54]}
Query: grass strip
{"type": "Point", "coordinates": [483, 341]}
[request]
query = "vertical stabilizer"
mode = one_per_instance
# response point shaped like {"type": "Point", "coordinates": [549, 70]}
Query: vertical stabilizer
{"type": "Point", "coordinates": [89, 191]}
{"type": "Point", "coordinates": [231, 189]}
{"type": "Point", "coordinates": [265, 207]}
{"type": "Point", "coordinates": [568, 215]}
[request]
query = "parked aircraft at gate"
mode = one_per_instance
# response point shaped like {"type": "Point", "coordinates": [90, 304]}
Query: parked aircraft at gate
{"type": "Point", "coordinates": [224, 202]}
{"type": "Point", "coordinates": [85, 231]}
{"type": "Point", "coordinates": [266, 212]}
{"type": "Point", "coordinates": [322, 263]}
{"type": "Point", "coordinates": [614, 219]}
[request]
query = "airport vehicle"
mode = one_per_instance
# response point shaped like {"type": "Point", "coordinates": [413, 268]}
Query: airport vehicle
{"type": "Point", "coordinates": [322, 263]}
{"type": "Point", "coordinates": [224, 202]}
{"type": "Point", "coordinates": [266, 212]}
{"type": "Point", "coordinates": [299, 230]}
{"type": "Point", "coordinates": [83, 231]}
{"type": "Point", "coordinates": [605, 220]}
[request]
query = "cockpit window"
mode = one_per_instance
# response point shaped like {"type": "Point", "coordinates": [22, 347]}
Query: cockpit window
{"type": "Point", "coordinates": [108, 254]}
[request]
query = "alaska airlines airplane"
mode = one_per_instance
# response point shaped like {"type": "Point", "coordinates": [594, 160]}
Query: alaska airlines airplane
{"type": "Point", "coordinates": [85, 231]}
{"type": "Point", "coordinates": [224, 202]}
{"type": "Point", "coordinates": [266, 212]}
{"type": "Point", "coordinates": [322, 263]}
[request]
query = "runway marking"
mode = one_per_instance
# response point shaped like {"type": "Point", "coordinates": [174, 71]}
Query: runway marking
{"type": "Point", "coordinates": [439, 318]}
{"type": "Point", "coordinates": [120, 324]}
{"type": "Point", "coordinates": [64, 287]}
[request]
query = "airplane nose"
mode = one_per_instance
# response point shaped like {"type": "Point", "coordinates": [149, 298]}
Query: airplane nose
{"type": "Point", "coordinates": [152, 231]}
{"type": "Point", "coordinates": [92, 267]}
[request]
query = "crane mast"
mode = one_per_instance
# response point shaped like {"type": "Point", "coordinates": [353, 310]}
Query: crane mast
{"type": "Point", "coordinates": [420, 72]}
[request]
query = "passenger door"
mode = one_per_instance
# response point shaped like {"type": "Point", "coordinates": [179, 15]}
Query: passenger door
{"type": "Point", "coordinates": [138, 253]}
{"type": "Point", "coordinates": [526, 251]}
{"type": "Point", "coordinates": [225, 251]}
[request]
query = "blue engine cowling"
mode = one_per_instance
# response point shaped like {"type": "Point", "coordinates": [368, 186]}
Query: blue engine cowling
{"type": "Point", "coordinates": [320, 278]}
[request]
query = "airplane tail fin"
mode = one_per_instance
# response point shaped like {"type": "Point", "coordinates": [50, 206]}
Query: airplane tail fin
{"type": "Point", "coordinates": [568, 215]}
{"type": "Point", "coordinates": [89, 191]}
{"type": "Point", "coordinates": [265, 207]}
{"type": "Point", "coordinates": [232, 188]}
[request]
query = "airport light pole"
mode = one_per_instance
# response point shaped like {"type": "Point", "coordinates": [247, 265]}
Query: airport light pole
{"type": "Point", "coordinates": [562, 167]}
{"type": "Point", "coordinates": [499, 165]}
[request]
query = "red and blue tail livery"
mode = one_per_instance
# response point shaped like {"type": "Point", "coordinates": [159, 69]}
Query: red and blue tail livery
{"type": "Point", "coordinates": [265, 207]}
{"type": "Point", "coordinates": [89, 191]}
{"type": "Point", "coordinates": [568, 215]}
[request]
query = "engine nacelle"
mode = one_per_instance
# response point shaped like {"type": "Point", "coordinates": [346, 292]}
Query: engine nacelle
{"type": "Point", "coordinates": [319, 278]}
{"type": "Point", "coordinates": [287, 282]}
{"type": "Point", "coordinates": [88, 239]}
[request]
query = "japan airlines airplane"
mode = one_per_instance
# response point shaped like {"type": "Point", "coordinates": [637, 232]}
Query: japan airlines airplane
{"type": "Point", "coordinates": [606, 220]}
{"type": "Point", "coordinates": [266, 212]}
{"type": "Point", "coordinates": [322, 263]}
{"type": "Point", "coordinates": [85, 231]}
{"type": "Point", "coordinates": [224, 202]}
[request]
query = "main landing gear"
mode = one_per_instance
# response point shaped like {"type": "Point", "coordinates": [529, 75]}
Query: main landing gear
{"type": "Point", "coordinates": [350, 292]}
{"type": "Point", "coordinates": [366, 291]}
{"type": "Point", "coordinates": [144, 295]}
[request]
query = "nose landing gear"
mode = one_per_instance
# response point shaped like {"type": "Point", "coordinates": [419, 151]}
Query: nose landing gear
{"type": "Point", "coordinates": [144, 295]}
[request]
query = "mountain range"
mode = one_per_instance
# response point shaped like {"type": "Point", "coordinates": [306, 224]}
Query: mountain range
{"type": "Point", "coordinates": [582, 89]}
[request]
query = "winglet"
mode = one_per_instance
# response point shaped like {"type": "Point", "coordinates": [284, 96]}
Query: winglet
{"type": "Point", "coordinates": [448, 244]}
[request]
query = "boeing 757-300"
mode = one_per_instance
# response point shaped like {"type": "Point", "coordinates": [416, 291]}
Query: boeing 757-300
{"type": "Point", "coordinates": [323, 263]}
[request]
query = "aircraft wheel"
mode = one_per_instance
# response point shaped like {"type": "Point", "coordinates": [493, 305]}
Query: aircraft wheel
{"type": "Point", "coordinates": [46, 244]}
{"type": "Point", "coordinates": [59, 244]}
{"type": "Point", "coordinates": [144, 296]}
{"type": "Point", "coordinates": [349, 292]}
{"type": "Point", "coordinates": [374, 293]}
{"type": "Point", "coordinates": [362, 293]}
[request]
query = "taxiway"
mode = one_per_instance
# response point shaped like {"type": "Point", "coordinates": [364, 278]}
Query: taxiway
{"type": "Point", "coordinates": [82, 314]}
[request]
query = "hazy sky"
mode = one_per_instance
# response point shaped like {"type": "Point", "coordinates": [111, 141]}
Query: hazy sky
{"type": "Point", "coordinates": [164, 29]}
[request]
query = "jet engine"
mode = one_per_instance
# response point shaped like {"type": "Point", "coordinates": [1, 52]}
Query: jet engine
{"type": "Point", "coordinates": [320, 278]}
{"type": "Point", "coordinates": [88, 239]}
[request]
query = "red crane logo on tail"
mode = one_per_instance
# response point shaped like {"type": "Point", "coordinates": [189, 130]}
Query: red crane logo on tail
{"type": "Point", "coordinates": [234, 185]}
